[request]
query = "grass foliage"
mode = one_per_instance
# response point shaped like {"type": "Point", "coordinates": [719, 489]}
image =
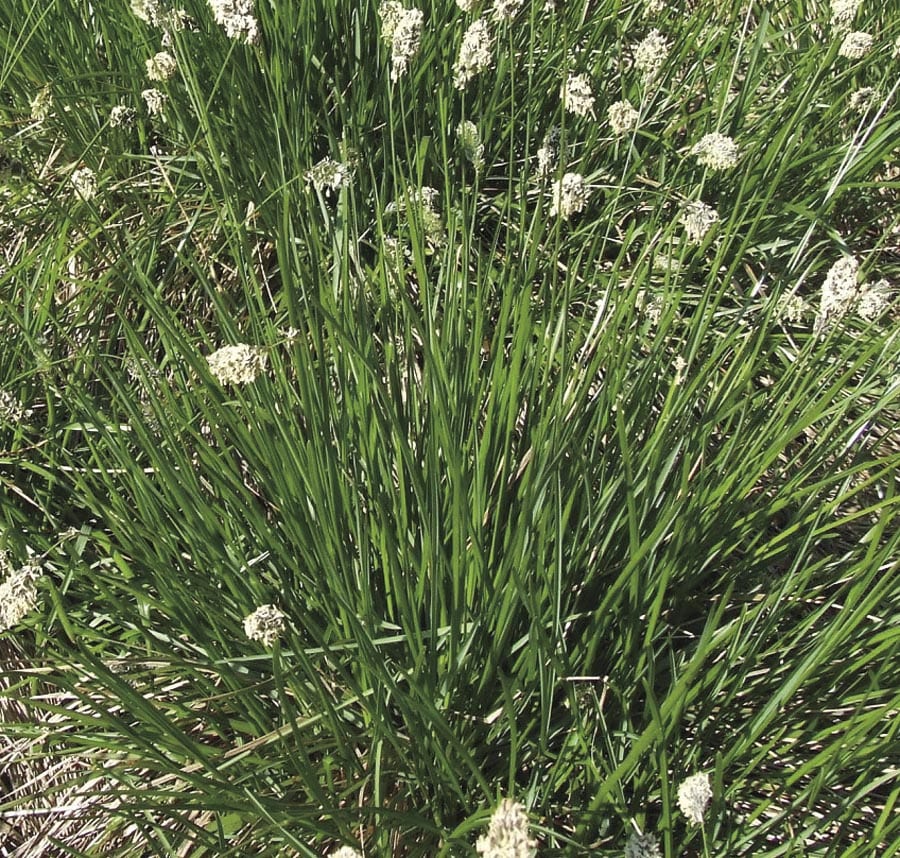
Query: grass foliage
{"type": "Point", "coordinates": [563, 509]}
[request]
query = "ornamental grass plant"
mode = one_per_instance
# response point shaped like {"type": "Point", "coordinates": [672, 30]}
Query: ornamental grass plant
{"type": "Point", "coordinates": [443, 445]}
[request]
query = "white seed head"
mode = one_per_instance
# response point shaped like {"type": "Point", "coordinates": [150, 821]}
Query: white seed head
{"type": "Point", "coordinates": [507, 835]}
{"type": "Point", "coordinates": [650, 54]}
{"type": "Point", "coordinates": [42, 104]}
{"type": "Point", "coordinates": [265, 624]}
{"type": "Point", "coordinates": [570, 196]}
{"type": "Point", "coordinates": [697, 218]}
{"type": "Point", "coordinates": [506, 10]}
{"type": "Point", "coordinates": [642, 846]}
{"type": "Point", "coordinates": [161, 66]}
{"type": "Point", "coordinates": [155, 101]}
{"type": "Point", "coordinates": [694, 795]}
{"type": "Point", "coordinates": [622, 117]}
{"type": "Point", "coordinates": [716, 151]}
{"type": "Point", "coordinates": [84, 183]}
{"type": "Point", "coordinates": [475, 53]}
{"type": "Point", "coordinates": [18, 595]}
{"type": "Point", "coordinates": [237, 18]}
{"type": "Point", "coordinates": [874, 300]}
{"type": "Point", "coordinates": [470, 141]}
{"type": "Point", "coordinates": [855, 46]}
{"type": "Point", "coordinates": [239, 364]}
{"type": "Point", "coordinates": [121, 116]}
{"type": "Point", "coordinates": [843, 12]}
{"type": "Point", "coordinates": [576, 95]}
{"type": "Point", "coordinates": [329, 175]}
{"type": "Point", "coordinates": [405, 41]}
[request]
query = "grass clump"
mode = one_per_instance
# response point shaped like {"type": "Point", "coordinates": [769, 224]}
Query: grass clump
{"type": "Point", "coordinates": [466, 429]}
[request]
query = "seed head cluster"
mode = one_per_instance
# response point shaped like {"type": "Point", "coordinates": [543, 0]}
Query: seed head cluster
{"type": "Point", "coordinates": [470, 142]}
{"type": "Point", "coordinates": [570, 196]}
{"type": "Point", "coordinates": [856, 45]}
{"type": "Point", "coordinates": [650, 54]}
{"type": "Point", "coordinates": [623, 117]}
{"type": "Point", "coordinates": [346, 852]}
{"type": "Point", "coordinates": [642, 846]}
{"type": "Point", "coordinates": [507, 834]}
{"type": "Point", "coordinates": [155, 101]}
{"type": "Point", "coordinates": [698, 218]}
{"type": "Point", "coordinates": [239, 364]}
{"type": "Point", "coordinates": [506, 10]}
{"type": "Point", "coordinates": [329, 175]}
{"type": "Point", "coordinates": [576, 95]}
{"type": "Point", "coordinates": [843, 12]}
{"type": "Point", "coordinates": [265, 624]}
{"type": "Point", "coordinates": [716, 151]}
{"type": "Point", "coordinates": [122, 116]}
{"type": "Point", "coordinates": [84, 183]}
{"type": "Point", "coordinates": [237, 18]}
{"type": "Point", "coordinates": [161, 66]}
{"type": "Point", "coordinates": [475, 53]}
{"type": "Point", "coordinates": [18, 592]}
{"type": "Point", "coordinates": [42, 104]}
{"type": "Point", "coordinates": [694, 795]}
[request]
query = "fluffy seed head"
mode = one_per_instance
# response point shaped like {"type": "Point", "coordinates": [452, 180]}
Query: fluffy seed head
{"type": "Point", "coordinates": [697, 218]}
{"type": "Point", "coordinates": [121, 116]}
{"type": "Point", "coordinates": [843, 12]}
{"type": "Point", "coordinates": [406, 39]}
{"type": "Point", "coordinates": [650, 54]}
{"type": "Point", "coordinates": [470, 141]}
{"type": "Point", "coordinates": [576, 95]}
{"type": "Point", "coordinates": [239, 364]}
{"type": "Point", "coordinates": [161, 66]}
{"type": "Point", "coordinates": [622, 117]}
{"type": "Point", "coordinates": [265, 624]}
{"type": "Point", "coordinates": [506, 10]}
{"type": "Point", "coordinates": [237, 18]}
{"type": "Point", "coordinates": [507, 835]}
{"type": "Point", "coordinates": [855, 45]}
{"type": "Point", "coordinates": [716, 151]}
{"type": "Point", "coordinates": [42, 104]}
{"type": "Point", "coordinates": [642, 846]}
{"type": "Point", "coordinates": [548, 154]}
{"type": "Point", "coordinates": [18, 595]}
{"type": "Point", "coordinates": [694, 795]}
{"type": "Point", "coordinates": [570, 196]}
{"type": "Point", "coordinates": [84, 183]}
{"type": "Point", "coordinates": [329, 175]}
{"type": "Point", "coordinates": [863, 99]}
{"type": "Point", "coordinates": [346, 852]}
{"type": "Point", "coordinates": [475, 53]}
{"type": "Point", "coordinates": [147, 10]}
{"type": "Point", "coordinates": [874, 300]}
{"type": "Point", "coordinates": [155, 101]}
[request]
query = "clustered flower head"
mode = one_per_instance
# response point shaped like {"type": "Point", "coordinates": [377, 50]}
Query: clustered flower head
{"type": "Point", "coordinates": [843, 12]}
{"type": "Point", "coordinates": [42, 104]}
{"type": "Point", "coordinates": [470, 141]}
{"type": "Point", "coordinates": [570, 196]}
{"type": "Point", "coordinates": [18, 592]}
{"type": "Point", "coordinates": [425, 201]}
{"type": "Point", "coordinates": [11, 408]}
{"type": "Point", "coordinates": [121, 116]}
{"type": "Point", "coordinates": [147, 10]}
{"type": "Point", "coordinates": [855, 45]}
{"type": "Point", "coordinates": [475, 53]}
{"type": "Point", "coordinates": [697, 218]}
{"type": "Point", "coordinates": [839, 291]}
{"type": "Point", "coordinates": [548, 154]}
{"type": "Point", "coordinates": [650, 54]}
{"type": "Point", "coordinates": [155, 101]}
{"type": "Point", "coordinates": [622, 117]}
{"type": "Point", "coordinates": [694, 795]}
{"type": "Point", "coordinates": [642, 846]}
{"type": "Point", "coordinates": [863, 99]}
{"type": "Point", "coordinates": [507, 835]}
{"type": "Point", "coordinates": [346, 852]}
{"type": "Point", "coordinates": [329, 175]}
{"type": "Point", "coordinates": [84, 183]}
{"type": "Point", "coordinates": [466, 5]}
{"type": "Point", "coordinates": [506, 10]}
{"type": "Point", "coordinates": [576, 95]}
{"type": "Point", "coordinates": [237, 18]}
{"type": "Point", "coordinates": [401, 31]}
{"type": "Point", "coordinates": [790, 308]}
{"type": "Point", "coordinates": [265, 624]}
{"type": "Point", "coordinates": [239, 364]}
{"type": "Point", "coordinates": [161, 66]}
{"type": "Point", "coordinates": [716, 151]}
{"type": "Point", "coordinates": [874, 300]}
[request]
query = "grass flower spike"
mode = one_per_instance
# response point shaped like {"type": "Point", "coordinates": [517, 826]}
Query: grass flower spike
{"type": "Point", "coordinates": [240, 364]}
{"type": "Point", "coordinates": [161, 66]}
{"type": "Point", "coordinates": [855, 46]}
{"type": "Point", "coordinates": [694, 795]}
{"type": "Point", "coordinates": [470, 141]}
{"type": "Point", "coordinates": [507, 835]}
{"type": "Point", "coordinates": [18, 595]}
{"type": "Point", "coordinates": [716, 151]}
{"type": "Point", "coordinates": [42, 105]}
{"type": "Point", "coordinates": [650, 55]}
{"type": "Point", "coordinates": [623, 117]}
{"type": "Point", "coordinates": [475, 53]}
{"type": "Point", "coordinates": [570, 196]}
{"type": "Point", "coordinates": [576, 95]}
{"type": "Point", "coordinates": [237, 18]}
{"type": "Point", "coordinates": [84, 183]}
{"type": "Point", "coordinates": [642, 846]}
{"type": "Point", "coordinates": [697, 218]}
{"type": "Point", "coordinates": [265, 624]}
{"type": "Point", "coordinates": [405, 41]}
